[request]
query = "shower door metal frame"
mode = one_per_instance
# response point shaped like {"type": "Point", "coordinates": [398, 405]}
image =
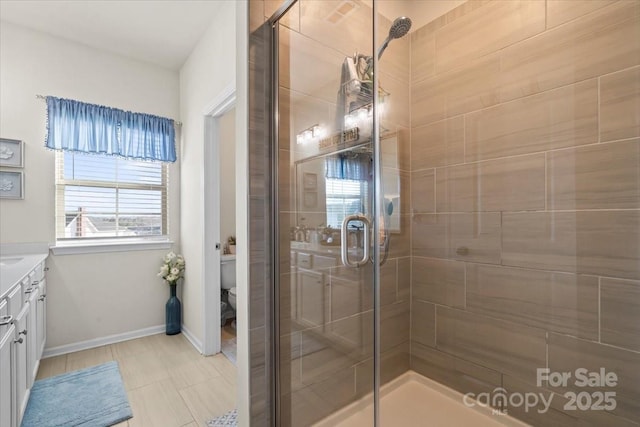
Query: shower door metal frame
{"type": "Point", "coordinates": [274, 108]}
{"type": "Point", "coordinates": [274, 122]}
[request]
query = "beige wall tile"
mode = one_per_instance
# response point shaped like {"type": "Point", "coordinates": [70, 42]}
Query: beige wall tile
{"type": "Point", "coordinates": [347, 298]}
{"type": "Point", "coordinates": [566, 354]}
{"type": "Point", "coordinates": [395, 324]}
{"type": "Point", "coordinates": [561, 11]}
{"type": "Point", "coordinates": [463, 90]}
{"type": "Point", "coordinates": [605, 243]}
{"type": "Point", "coordinates": [513, 184]}
{"type": "Point", "coordinates": [400, 245]}
{"type": "Point", "coordinates": [439, 281]}
{"type": "Point", "coordinates": [507, 347]}
{"type": "Point", "coordinates": [303, 407]}
{"type": "Point", "coordinates": [438, 144]}
{"type": "Point", "coordinates": [404, 147]}
{"type": "Point", "coordinates": [557, 118]}
{"type": "Point", "coordinates": [423, 194]}
{"type": "Point", "coordinates": [307, 66]}
{"type": "Point", "coordinates": [423, 323]}
{"type": "Point", "coordinates": [321, 358]}
{"type": "Point", "coordinates": [620, 308]}
{"type": "Point", "coordinates": [396, 109]}
{"type": "Point", "coordinates": [603, 176]}
{"type": "Point", "coordinates": [454, 372]}
{"type": "Point", "coordinates": [404, 278]}
{"type": "Point", "coordinates": [423, 53]}
{"type": "Point", "coordinates": [256, 14]}
{"type": "Point", "coordinates": [601, 42]}
{"type": "Point", "coordinates": [323, 20]}
{"type": "Point", "coordinates": [620, 105]}
{"type": "Point", "coordinates": [487, 29]}
{"type": "Point", "coordinates": [560, 302]}
{"type": "Point", "coordinates": [468, 237]}
{"type": "Point", "coordinates": [393, 363]}
{"type": "Point", "coordinates": [337, 390]}
{"type": "Point", "coordinates": [353, 335]}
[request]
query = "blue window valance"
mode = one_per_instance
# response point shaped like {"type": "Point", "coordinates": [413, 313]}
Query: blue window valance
{"type": "Point", "coordinates": [89, 128]}
{"type": "Point", "coordinates": [353, 167]}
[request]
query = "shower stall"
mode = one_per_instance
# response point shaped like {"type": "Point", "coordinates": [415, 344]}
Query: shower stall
{"type": "Point", "coordinates": [445, 204]}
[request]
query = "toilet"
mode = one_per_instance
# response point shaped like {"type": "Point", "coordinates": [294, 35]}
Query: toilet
{"type": "Point", "coordinates": [228, 283]}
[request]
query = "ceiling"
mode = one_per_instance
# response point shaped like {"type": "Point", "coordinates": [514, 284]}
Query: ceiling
{"type": "Point", "coordinates": [162, 32]}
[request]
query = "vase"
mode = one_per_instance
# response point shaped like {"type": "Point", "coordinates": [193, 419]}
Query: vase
{"type": "Point", "coordinates": [232, 249]}
{"type": "Point", "coordinates": [173, 312]}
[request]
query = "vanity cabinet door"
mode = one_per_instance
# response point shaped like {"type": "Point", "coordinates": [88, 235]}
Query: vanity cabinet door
{"type": "Point", "coordinates": [41, 322]}
{"type": "Point", "coordinates": [312, 298]}
{"type": "Point", "coordinates": [32, 336]}
{"type": "Point", "coordinates": [20, 365]}
{"type": "Point", "coordinates": [7, 414]}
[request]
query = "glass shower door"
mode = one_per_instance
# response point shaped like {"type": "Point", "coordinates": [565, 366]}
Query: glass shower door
{"type": "Point", "coordinates": [325, 185]}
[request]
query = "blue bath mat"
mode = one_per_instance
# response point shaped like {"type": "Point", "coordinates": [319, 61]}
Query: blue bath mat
{"type": "Point", "coordinates": [92, 397]}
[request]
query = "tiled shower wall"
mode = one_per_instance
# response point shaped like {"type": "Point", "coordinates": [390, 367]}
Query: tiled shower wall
{"type": "Point", "coordinates": [525, 199]}
{"type": "Point", "coordinates": [326, 311]}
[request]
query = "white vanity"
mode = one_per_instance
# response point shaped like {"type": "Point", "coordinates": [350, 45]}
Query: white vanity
{"type": "Point", "coordinates": [23, 290]}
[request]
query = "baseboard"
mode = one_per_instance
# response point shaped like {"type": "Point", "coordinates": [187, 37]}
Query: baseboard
{"type": "Point", "coordinates": [192, 339]}
{"type": "Point", "coordinates": [97, 342]}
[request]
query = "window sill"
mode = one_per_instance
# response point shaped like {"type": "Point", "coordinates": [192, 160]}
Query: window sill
{"type": "Point", "coordinates": [102, 246]}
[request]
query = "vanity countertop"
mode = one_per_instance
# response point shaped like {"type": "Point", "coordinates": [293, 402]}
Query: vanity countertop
{"type": "Point", "coordinates": [14, 268]}
{"type": "Point", "coordinates": [315, 247]}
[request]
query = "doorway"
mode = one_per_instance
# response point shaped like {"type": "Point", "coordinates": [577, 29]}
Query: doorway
{"type": "Point", "coordinates": [219, 217]}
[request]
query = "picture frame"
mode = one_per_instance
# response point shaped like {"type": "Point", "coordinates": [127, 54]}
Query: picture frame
{"type": "Point", "coordinates": [310, 199]}
{"type": "Point", "coordinates": [11, 153]}
{"type": "Point", "coordinates": [310, 181]}
{"type": "Point", "coordinates": [11, 184]}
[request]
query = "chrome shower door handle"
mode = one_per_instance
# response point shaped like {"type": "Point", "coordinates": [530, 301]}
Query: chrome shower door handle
{"type": "Point", "coordinates": [344, 235]}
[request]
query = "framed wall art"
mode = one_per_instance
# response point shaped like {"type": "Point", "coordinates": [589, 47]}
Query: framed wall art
{"type": "Point", "coordinates": [310, 181]}
{"type": "Point", "coordinates": [11, 185]}
{"type": "Point", "coordinates": [11, 153]}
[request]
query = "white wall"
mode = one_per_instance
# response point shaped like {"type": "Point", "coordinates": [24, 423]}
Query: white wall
{"type": "Point", "coordinates": [210, 68]}
{"type": "Point", "coordinates": [92, 295]}
{"type": "Point", "coordinates": [228, 175]}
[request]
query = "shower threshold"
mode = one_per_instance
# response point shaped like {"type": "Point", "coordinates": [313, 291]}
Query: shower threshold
{"type": "Point", "coordinates": [414, 400]}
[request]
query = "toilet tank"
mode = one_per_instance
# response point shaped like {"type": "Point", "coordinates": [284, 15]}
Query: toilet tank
{"type": "Point", "coordinates": [227, 271]}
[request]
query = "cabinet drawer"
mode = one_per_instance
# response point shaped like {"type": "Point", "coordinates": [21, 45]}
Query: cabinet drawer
{"type": "Point", "coordinates": [4, 317]}
{"type": "Point", "coordinates": [320, 261]}
{"type": "Point", "coordinates": [304, 260]}
{"type": "Point", "coordinates": [24, 285]}
{"type": "Point", "coordinates": [14, 301]}
{"type": "Point", "coordinates": [39, 271]}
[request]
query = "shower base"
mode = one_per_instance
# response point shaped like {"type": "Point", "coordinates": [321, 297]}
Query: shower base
{"type": "Point", "coordinates": [414, 400]}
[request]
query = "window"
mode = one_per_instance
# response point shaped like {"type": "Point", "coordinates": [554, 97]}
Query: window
{"type": "Point", "coordinates": [109, 197]}
{"type": "Point", "coordinates": [344, 197]}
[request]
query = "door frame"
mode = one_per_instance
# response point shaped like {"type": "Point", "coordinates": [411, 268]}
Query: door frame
{"type": "Point", "coordinates": [221, 104]}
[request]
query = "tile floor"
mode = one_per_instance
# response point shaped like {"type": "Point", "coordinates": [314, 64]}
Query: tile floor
{"type": "Point", "coordinates": [228, 342]}
{"type": "Point", "coordinates": [168, 382]}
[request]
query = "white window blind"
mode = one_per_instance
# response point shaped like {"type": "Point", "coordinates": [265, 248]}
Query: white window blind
{"type": "Point", "coordinates": [345, 197]}
{"type": "Point", "coordinates": [109, 197]}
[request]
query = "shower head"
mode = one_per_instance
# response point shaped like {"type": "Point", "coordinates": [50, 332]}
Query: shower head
{"type": "Point", "coordinates": [399, 28]}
